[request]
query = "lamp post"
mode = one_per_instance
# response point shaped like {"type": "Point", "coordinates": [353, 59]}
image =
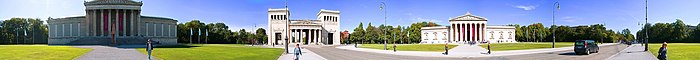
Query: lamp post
{"type": "Point", "coordinates": [554, 32]}
{"type": "Point", "coordinates": [381, 7]}
{"type": "Point", "coordinates": [646, 20]}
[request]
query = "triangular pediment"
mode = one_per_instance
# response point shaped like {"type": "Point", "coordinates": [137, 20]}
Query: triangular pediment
{"type": "Point", "coordinates": [113, 2]}
{"type": "Point", "coordinates": [469, 16]}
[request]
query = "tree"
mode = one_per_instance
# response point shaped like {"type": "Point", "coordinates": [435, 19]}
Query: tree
{"type": "Point", "coordinates": [627, 35]}
{"type": "Point", "coordinates": [261, 35]}
{"type": "Point", "coordinates": [358, 34]}
{"type": "Point", "coordinates": [680, 30]}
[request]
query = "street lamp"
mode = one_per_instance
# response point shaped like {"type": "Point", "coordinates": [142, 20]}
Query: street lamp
{"type": "Point", "coordinates": [646, 20]}
{"type": "Point", "coordinates": [554, 35]}
{"type": "Point", "coordinates": [381, 6]}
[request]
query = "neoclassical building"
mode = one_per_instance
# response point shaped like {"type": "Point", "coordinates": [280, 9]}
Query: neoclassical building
{"type": "Point", "coordinates": [324, 30]}
{"type": "Point", "coordinates": [106, 18]}
{"type": "Point", "coordinates": [467, 28]}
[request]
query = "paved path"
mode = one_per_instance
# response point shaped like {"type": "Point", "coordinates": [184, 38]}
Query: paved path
{"type": "Point", "coordinates": [112, 53]}
{"type": "Point", "coordinates": [605, 52]}
{"type": "Point", "coordinates": [333, 53]}
{"type": "Point", "coordinates": [464, 51]}
{"type": "Point", "coordinates": [305, 53]}
{"type": "Point", "coordinates": [634, 52]}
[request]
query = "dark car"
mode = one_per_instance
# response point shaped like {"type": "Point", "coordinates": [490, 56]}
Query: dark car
{"type": "Point", "coordinates": [585, 47]}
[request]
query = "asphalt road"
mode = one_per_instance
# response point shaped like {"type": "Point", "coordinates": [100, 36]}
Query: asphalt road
{"type": "Point", "coordinates": [332, 53]}
{"type": "Point", "coordinates": [604, 53]}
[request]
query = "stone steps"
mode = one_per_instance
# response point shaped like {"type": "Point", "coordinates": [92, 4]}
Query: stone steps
{"type": "Point", "coordinates": [108, 41]}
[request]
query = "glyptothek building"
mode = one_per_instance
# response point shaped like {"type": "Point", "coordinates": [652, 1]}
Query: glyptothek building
{"type": "Point", "coordinates": [106, 18]}
{"type": "Point", "coordinates": [468, 28]}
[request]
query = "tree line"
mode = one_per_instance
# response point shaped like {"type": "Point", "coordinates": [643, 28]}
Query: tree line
{"type": "Point", "coordinates": [670, 32]}
{"type": "Point", "coordinates": [598, 32]}
{"type": "Point", "coordinates": [218, 33]}
{"type": "Point", "coordinates": [390, 34]}
{"type": "Point", "coordinates": [23, 31]}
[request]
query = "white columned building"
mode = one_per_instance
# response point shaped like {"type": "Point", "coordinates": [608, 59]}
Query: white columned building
{"type": "Point", "coordinates": [467, 28]}
{"type": "Point", "coordinates": [104, 17]}
{"type": "Point", "coordinates": [324, 30]}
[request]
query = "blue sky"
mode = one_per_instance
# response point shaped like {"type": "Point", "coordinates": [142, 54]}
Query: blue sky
{"type": "Point", "coordinates": [237, 14]}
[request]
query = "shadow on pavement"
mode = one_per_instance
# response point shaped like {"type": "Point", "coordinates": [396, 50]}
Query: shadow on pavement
{"type": "Point", "coordinates": [176, 46]}
{"type": "Point", "coordinates": [570, 54]}
{"type": "Point", "coordinates": [635, 51]}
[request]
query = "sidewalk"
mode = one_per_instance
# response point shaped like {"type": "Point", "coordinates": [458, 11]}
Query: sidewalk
{"type": "Point", "coordinates": [112, 53]}
{"type": "Point", "coordinates": [306, 54]}
{"type": "Point", "coordinates": [464, 51]}
{"type": "Point", "coordinates": [633, 52]}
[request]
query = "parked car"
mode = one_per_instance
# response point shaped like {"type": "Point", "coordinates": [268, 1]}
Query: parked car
{"type": "Point", "coordinates": [585, 47]}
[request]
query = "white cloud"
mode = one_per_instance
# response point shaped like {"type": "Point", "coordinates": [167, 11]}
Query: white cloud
{"type": "Point", "coordinates": [420, 19]}
{"type": "Point", "coordinates": [526, 7]}
{"type": "Point", "coordinates": [569, 19]}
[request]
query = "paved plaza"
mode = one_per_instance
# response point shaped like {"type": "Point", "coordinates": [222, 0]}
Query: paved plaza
{"type": "Point", "coordinates": [113, 53]}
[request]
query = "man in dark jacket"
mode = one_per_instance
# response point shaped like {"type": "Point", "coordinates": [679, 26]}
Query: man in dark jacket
{"type": "Point", "coordinates": [446, 49]}
{"type": "Point", "coordinates": [149, 48]}
{"type": "Point", "coordinates": [662, 52]}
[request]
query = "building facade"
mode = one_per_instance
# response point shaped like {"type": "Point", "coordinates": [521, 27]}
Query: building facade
{"type": "Point", "coordinates": [464, 29]}
{"type": "Point", "coordinates": [324, 30]}
{"type": "Point", "coordinates": [106, 18]}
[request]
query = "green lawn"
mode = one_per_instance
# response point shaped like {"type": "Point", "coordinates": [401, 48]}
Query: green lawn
{"type": "Point", "coordinates": [215, 52]}
{"type": "Point", "coordinates": [678, 51]}
{"type": "Point", "coordinates": [410, 47]}
{"type": "Point", "coordinates": [525, 45]}
{"type": "Point", "coordinates": [40, 52]}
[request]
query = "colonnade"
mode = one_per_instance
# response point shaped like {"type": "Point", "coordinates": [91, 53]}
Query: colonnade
{"type": "Point", "coordinates": [306, 36]}
{"type": "Point", "coordinates": [125, 22]}
{"type": "Point", "coordinates": [466, 32]}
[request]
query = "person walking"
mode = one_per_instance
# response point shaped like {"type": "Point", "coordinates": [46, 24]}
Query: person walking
{"type": "Point", "coordinates": [149, 48]}
{"type": "Point", "coordinates": [297, 52]}
{"type": "Point", "coordinates": [446, 49]}
{"type": "Point", "coordinates": [489, 47]}
{"type": "Point", "coordinates": [394, 47]}
{"type": "Point", "coordinates": [662, 52]}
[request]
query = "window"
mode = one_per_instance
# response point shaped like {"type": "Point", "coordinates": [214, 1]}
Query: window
{"type": "Point", "coordinates": [510, 35]}
{"type": "Point", "coordinates": [501, 36]}
{"type": "Point", "coordinates": [435, 36]}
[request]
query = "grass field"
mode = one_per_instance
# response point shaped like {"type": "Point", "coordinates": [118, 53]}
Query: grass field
{"type": "Point", "coordinates": [410, 47]}
{"type": "Point", "coordinates": [525, 45]}
{"type": "Point", "coordinates": [215, 52]}
{"type": "Point", "coordinates": [678, 51]}
{"type": "Point", "coordinates": [40, 52]}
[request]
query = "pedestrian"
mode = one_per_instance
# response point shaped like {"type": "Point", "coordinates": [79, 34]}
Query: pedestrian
{"type": "Point", "coordinates": [297, 52]}
{"type": "Point", "coordinates": [355, 44]}
{"type": "Point", "coordinates": [489, 47]}
{"type": "Point", "coordinates": [446, 49]}
{"type": "Point", "coordinates": [662, 52]}
{"type": "Point", "coordinates": [394, 47]}
{"type": "Point", "coordinates": [149, 48]}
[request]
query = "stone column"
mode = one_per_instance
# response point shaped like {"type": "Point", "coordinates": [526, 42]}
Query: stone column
{"type": "Point", "coordinates": [318, 36]}
{"type": "Point", "coordinates": [458, 33]}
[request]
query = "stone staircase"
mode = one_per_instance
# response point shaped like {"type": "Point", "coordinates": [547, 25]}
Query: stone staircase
{"type": "Point", "coordinates": [91, 41]}
{"type": "Point", "coordinates": [126, 41]}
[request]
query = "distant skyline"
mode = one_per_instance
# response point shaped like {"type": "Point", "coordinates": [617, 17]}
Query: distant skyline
{"type": "Point", "coordinates": [238, 14]}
